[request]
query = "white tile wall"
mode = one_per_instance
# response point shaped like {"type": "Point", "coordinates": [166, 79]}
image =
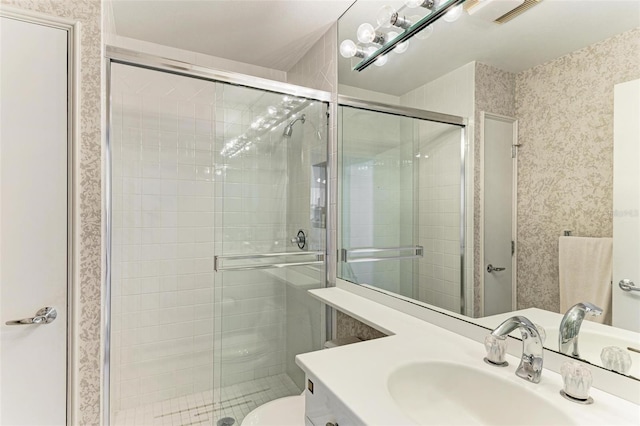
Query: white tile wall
{"type": "Point", "coordinates": [374, 167]}
{"type": "Point", "coordinates": [453, 94]}
{"type": "Point", "coordinates": [438, 274]}
{"type": "Point", "coordinates": [162, 281]}
{"type": "Point", "coordinates": [306, 148]}
{"type": "Point", "coordinates": [177, 202]}
{"type": "Point", "coordinates": [317, 69]}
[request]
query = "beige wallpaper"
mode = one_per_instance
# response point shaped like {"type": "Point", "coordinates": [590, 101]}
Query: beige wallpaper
{"type": "Point", "coordinates": [349, 326]}
{"type": "Point", "coordinates": [494, 93]}
{"type": "Point", "coordinates": [86, 386]}
{"type": "Point", "coordinates": [565, 113]}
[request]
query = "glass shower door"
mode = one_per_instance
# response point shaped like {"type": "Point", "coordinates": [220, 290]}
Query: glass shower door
{"type": "Point", "coordinates": [211, 183]}
{"type": "Point", "coordinates": [401, 186]}
{"type": "Point", "coordinates": [270, 204]}
{"type": "Point", "coordinates": [378, 242]}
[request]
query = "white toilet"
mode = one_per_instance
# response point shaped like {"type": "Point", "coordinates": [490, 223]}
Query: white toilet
{"type": "Point", "coordinates": [287, 411]}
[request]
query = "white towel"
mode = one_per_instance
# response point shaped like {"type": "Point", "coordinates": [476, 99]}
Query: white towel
{"type": "Point", "coordinates": [586, 271]}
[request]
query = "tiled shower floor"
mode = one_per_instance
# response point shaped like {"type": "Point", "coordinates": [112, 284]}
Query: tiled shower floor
{"type": "Point", "coordinates": [206, 408]}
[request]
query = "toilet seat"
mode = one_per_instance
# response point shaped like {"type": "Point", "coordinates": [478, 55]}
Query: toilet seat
{"type": "Point", "coordinates": [287, 411]}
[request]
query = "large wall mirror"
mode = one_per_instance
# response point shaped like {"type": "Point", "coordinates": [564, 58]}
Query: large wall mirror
{"type": "Point", "coordinates": [531, 203]}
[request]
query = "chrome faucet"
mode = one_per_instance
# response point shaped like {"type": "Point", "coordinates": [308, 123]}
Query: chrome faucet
{"type": "Point", "coordinates": [530, 367]}
{"type": "Point", "coordinates": [570, 326]}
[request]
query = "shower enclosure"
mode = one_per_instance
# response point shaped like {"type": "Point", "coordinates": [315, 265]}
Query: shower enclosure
{"type": "Point", "coordinates": [402, 189]}
{"type": "Point", "coordinates": [217, 230]}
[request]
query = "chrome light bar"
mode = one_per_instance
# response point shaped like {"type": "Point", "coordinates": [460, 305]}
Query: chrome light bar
{"type": "Point", "coordinates": [407, 34]}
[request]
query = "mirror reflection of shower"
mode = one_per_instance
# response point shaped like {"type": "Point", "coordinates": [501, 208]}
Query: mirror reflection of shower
{"type": "Point", "coordinates": [289, 129]}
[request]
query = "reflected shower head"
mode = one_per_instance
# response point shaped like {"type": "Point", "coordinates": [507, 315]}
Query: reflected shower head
{"type": "Point", "coordinates": [289, 129]}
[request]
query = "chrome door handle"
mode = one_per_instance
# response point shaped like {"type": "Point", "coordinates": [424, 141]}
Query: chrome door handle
{"type": "Point", "coordinates": [628, 285]}
{"type": "Point", "coordinates": [43, 316]}
{"type": "Point", "coordinates": [491, 268]}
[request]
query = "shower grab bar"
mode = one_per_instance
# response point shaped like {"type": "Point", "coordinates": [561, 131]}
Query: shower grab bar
{"type": "Point", "coordinates": [217, 264]}
{"type": "Point", "coordinates": [344, 254]}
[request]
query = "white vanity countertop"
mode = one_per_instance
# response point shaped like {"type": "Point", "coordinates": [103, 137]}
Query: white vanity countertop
{"type": "Point", "coordinates": [357, 374]}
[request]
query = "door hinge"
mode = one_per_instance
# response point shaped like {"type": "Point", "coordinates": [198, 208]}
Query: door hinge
{"type": "Point", "coordinates": [514, 150]}
{"type": "Point", "coordinates": [513, 247]}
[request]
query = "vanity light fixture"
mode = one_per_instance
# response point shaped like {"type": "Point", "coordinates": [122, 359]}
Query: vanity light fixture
{"type": "Point", "coordinates": [367, 34]}
{"type": "Point", "coordinates": [395, 29]}
{"type": "Point", "coordinates": [453, 14]}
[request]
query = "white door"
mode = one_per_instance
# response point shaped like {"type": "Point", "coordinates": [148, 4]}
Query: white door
{"type": "Point", "coordinates": [626, 204]}
{"type": "Point", "coordinates": [499, 157]}
{"type": "Point", "coordinates": [33, 222]}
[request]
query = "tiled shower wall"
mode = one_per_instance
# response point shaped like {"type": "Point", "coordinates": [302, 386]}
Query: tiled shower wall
{"type": "Point", "coordinates": [176, 330]}
{"type": "Point", "coordinates": [438, 277]}
{"type": "Point", "coordinates": [162, 278]}
{"type": "Point", "coordinates": [306, 210]}
{"type": "Point", "coordinates": [438, 280]}
{"type": "Point", "coordinates": [377, 197]}
{"type": "Point", "coordinates": [251, 203]}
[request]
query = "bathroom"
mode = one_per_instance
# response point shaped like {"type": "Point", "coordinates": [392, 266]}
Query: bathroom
{"type": "Point", "coordinates": [189, 166]}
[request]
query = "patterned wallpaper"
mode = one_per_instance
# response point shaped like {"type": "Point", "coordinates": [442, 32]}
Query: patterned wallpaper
{"type": "Point", "coordinates": [86, 386]}
{"type": "Point", "coordinates": [565, 113]}
{"type": "Point", "coordinates": [495, 93]}
{"type": "Point", "coordinates": [349, 326]}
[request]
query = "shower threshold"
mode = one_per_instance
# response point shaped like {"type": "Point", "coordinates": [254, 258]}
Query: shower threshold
{"type": "Point", "coordinates": [208, 407]}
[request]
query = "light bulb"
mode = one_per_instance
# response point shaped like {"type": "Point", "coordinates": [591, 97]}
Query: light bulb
{"type": "Point", "coordinates": [453, 14]}
{"type": "Point", "coordinates": [427, 4]}
{"type": "Point", "coordinates": [400, 47]}
{"type": "Point", "coordinates": [381, 60]}
{"type": "Point", "coordinates": [385, 16]}
{"type": "Point", "coordinates": [424, 34]}
{"type": "Point", "coordinates": [366, 33]}
{"type": "Point", "coordinates": [413, 3]}
{"type": "Point", "coordinates": [348, 49]}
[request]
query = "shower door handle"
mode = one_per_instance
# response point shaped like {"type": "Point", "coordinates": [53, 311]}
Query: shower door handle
{"type": "Point", "coordinates": [218, 261]}
{"type": "Point", "coordinates": [346, 255]}
{"type": "Point", "coordinates": [43, 316]}
{"type": "Point", "coordinates": [491, 268]}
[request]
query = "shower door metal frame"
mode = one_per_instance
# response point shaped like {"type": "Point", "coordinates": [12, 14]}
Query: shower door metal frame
{"type": "Point", "coordinates": [420, 114]}
{"type": "Point", "coordinates": [142, 60]}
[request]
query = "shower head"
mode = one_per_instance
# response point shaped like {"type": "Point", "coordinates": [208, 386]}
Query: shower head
{"type": "Point", "coordinates": [289, 129]}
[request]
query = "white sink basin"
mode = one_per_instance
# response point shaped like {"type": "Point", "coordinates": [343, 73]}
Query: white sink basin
{"type": "Point", "coordinates": [442, 393]}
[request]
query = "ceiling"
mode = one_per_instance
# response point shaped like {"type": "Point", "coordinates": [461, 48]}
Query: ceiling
{"type": "Point", "coordinates": [273, 34]}
{"type": "Point", "coordinates": [547, 31]}
{"type": "Point", "coordinates": [276, 34]}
